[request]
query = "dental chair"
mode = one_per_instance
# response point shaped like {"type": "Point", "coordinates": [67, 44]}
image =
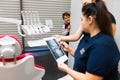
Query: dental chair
{"type": "Point", "coordinates": [17, 66]}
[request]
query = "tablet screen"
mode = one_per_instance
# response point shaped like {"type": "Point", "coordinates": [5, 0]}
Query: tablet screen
{"type": "Point", "coordinates": [55, 49]}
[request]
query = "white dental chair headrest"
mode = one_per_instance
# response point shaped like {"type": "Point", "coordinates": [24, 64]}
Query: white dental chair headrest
{"type": "Point", "coordinates": [10, 46]}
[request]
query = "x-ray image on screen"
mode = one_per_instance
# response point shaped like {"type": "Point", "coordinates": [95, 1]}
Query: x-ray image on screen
{"type": "Point", "coordinates": [55, 48]}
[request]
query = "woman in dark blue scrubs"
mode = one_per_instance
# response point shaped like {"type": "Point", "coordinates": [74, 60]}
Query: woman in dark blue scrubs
{"type": "Point", "coordinates": [97, 54]}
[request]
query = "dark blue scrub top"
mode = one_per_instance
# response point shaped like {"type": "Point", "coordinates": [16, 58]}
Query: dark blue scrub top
{"type": "Point", "coordinates": [98, 55]}
{"type": "Point", "coordinates": [112, 18]}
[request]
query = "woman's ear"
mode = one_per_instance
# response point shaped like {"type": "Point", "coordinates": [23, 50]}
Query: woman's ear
{"type": "Point", "coordinates": [90, 19]}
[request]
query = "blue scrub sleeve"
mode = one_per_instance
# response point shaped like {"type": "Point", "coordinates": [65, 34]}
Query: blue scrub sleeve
{"type": "Point", "coordinates": [112, 18]}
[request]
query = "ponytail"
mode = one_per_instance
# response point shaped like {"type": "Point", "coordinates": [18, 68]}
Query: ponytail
{"type": "Point", "coordinates": [101, 16]}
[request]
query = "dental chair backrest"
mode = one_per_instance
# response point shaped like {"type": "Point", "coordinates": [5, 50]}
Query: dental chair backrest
{"type": "Point", "coordinates": [14, 66]}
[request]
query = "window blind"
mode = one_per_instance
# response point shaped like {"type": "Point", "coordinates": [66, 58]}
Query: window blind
{"type": "Point", "coordinates": [9, 9]}
{"type": "Point", "coordinates": [48, 10]}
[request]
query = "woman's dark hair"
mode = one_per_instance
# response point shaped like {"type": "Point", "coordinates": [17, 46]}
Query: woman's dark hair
{"type": "Point", "coordinates": [102, 3]}
{"type": "Point", "coordinates": [101, 16]}
{"type": "Point", "coordinates": [97, 0]}
{"type": "Point", "coordinates": [65, 14]}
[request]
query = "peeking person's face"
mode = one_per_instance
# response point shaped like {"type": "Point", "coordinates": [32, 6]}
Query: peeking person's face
{"type": "Point", "coordinates": [67, 19]}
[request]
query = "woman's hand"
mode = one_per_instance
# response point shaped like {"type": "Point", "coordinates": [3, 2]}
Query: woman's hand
{"type": "Point", "coordinates": [65, 46]}
{"type": "Point", "coordinates": [57, 37]}
{"type": "Point", "coordinates": [62, 67]}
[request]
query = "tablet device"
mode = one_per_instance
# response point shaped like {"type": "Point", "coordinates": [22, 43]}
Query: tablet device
{"type": "Point", "coordinates": [56, 50]}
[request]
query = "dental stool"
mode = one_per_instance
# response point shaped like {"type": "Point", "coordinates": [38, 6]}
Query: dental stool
{"type": "Point", "coordinates": [14, 66]}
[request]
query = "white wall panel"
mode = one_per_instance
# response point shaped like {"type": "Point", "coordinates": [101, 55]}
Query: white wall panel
{"type": "Point", "coordinates": [75, 23]}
